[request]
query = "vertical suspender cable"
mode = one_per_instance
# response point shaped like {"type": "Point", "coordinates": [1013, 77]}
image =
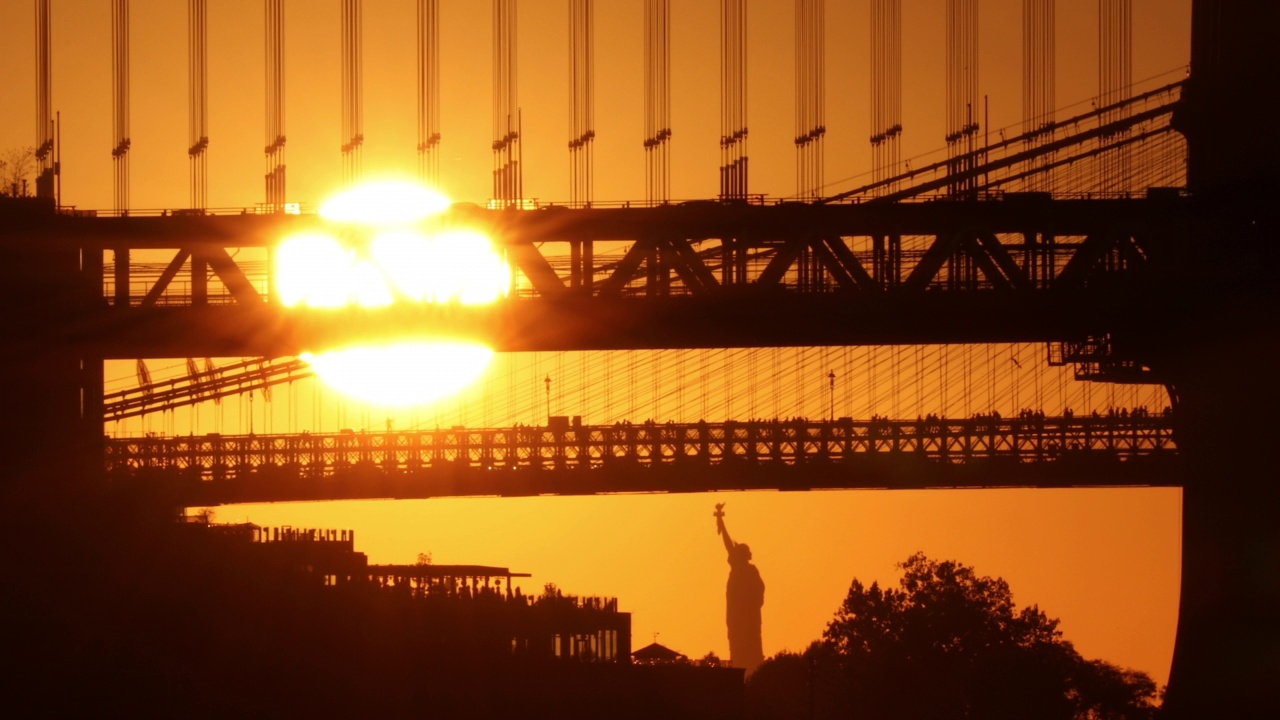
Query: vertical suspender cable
{"type": "Point", "coordinates": [429, 91]}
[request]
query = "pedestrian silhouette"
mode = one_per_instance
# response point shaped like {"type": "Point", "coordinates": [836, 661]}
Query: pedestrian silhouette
{"type": "Point", "coordinates": [744, 596]}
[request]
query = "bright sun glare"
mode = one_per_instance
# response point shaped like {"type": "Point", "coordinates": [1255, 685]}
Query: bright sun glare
{"type": "Point", "coordinates": [384, 202]}
{"type": "Point", "coordinates": [392, 259]}
{"type": "Point", "coordinates": [401, 375]}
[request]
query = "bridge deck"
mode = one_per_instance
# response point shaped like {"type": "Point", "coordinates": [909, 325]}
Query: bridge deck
{"type": "Point", "coordinates": [657, 457]}
{"type": "Point", "coordinates": [707, 274]}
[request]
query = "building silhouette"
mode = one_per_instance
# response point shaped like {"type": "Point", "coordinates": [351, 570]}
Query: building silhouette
{"type": "Point", "coordinates": [293, 621]}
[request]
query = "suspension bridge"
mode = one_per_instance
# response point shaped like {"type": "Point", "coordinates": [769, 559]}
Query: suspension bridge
{"type": "Point", "coordinates": [1092, 234]}
{"type": "Point", "coordinates": [656, 457]}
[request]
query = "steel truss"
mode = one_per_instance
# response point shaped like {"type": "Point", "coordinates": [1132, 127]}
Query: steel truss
{"type": "Point", "coordinates": [705, 274]}
{"type": "Point", "coordinates": [983, 451]}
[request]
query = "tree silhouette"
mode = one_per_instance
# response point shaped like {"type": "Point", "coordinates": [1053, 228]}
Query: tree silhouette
{"type": "Point", "coordinates": [946, 644]}
{"type": "Point", "coordinates": [16, 165]}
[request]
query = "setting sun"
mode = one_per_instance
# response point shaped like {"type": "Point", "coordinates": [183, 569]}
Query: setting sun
{"type": "Point", "coordinates": [392, 258]}
{"type": "Point", "coordinates": [384, 202]}
{"type": "Point", "coordinates": [395, 260]}
{"type": "Point", "coordinates": [313, 270]}
{"type": "Point", "coordinates": [403, 374]}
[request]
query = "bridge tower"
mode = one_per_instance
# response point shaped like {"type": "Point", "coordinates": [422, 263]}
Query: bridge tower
{"type": "Point", "coordinates": [50, 391]}
{"type": "Point", "coordinates": [1233, 146]}
{"type": "Point", "coordinates": [1224, 384]}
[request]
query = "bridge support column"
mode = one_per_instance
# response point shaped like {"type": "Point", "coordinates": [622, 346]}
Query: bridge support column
{"type": "Point", "coordinates": [55, 439]}
{"type": "Point", "coordinates": [1227, 653]}
{"type": "Point", "coordinates": [51, 393]}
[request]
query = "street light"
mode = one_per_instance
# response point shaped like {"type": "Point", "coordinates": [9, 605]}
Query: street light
{"type": "Point", "coordinates": [831, 380]}
{"type": "Point", "coordinates": [548, 382]}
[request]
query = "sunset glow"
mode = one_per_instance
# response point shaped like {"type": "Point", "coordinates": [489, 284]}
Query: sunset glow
{"type": "Point", "coordinates": [402, 374]}
{"type": "Point", "coordinates": [452, 266]}
{"type": "Point", "coordinates": [394, 260]}
{"type": "Point", "coordinates": [310, 340]}
{"type": "Point", "coordinates": [385, 202]}
{"type": "Point", "coordinates": [460, 266]}
{"type": "Point", "coordinates": [313, 270]}
{"type": "Point", "coordinates": [391, 259]}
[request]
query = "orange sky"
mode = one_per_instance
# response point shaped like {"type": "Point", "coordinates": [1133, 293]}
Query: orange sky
{"type": "Point", "coordinates": [1105, 561]}
{"type": "Point", "coordinates": [82, 91]}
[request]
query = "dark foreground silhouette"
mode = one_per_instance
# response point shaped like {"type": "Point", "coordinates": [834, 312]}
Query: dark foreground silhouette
{"type": "Point", "coordinates": [744, 596]}
{"type": "Point", "coordinates": [113, 609]}
{"type": "Point", "coordinates": [947, 643]}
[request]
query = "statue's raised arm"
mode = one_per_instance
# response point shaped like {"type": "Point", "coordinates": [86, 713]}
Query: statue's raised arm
{"type": "Point", "coordinates": [720, 528]}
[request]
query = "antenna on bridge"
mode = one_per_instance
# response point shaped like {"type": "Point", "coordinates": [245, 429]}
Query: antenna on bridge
{"type": "Point", "coordinates": [1115, 75]}
{"type": "Point", "coordinates": [657, 100]}
{"type": "Point", "coordinates": [1038, 80]}
{"type": "Point", "coordinates": [198, 97]}
{"type": "Point", "coordinates": [810, 83]}
{"type": "Point", "coordinates": [120, 97]}
{"type": "Point", "coordinates": [962, 92]}
{"type": "Point", "coordinates": [582, 132]}
{"type": "Point", "coordinates": [733, 99]}
{"type": "Point", "coordinates": [508, 182]}
{"type": "Point", "coordinates": [352, 92]}
{"type": "Point", "coordinates": [429, 91]}
{"type": "Point", "coordinates": [274, 10]}
{"type": "Point", "coordinates": [886, 90]}
{"type": "Point", "coordinates": [45, 132]}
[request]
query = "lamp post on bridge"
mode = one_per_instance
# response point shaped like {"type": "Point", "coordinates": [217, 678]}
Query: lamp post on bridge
{"type": "Point", "coordinates": [831, 381]}
{"type": "Point", "coordinates": [547, 380]}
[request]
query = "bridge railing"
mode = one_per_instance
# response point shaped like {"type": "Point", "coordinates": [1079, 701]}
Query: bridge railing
{"type": "Point", "coordinates": [1025, 439]}
{"type": "Point", "coordinates": [260, 209]}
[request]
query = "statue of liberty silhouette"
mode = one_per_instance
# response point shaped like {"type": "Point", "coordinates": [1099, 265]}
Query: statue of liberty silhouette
{"type": "Point", "coordinates": [744, 596]}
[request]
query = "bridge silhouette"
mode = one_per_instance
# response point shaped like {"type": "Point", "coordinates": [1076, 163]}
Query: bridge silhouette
{"type": "Point", "coordinates": [1168, 286]}
{"type": "Point", "coordinates": [573, 459]}
{"type": "Point", "coordinates": [716, 275]}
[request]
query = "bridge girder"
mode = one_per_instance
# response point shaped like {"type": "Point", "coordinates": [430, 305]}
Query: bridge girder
{"type": "Point", "coordinates": [654, 457]}
{"type": "Point", "coordinates": [1019, 268]}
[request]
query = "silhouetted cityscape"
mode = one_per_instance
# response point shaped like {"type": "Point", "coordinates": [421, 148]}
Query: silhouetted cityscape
{"type": "Point", "coordinates": [1133, 241]}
